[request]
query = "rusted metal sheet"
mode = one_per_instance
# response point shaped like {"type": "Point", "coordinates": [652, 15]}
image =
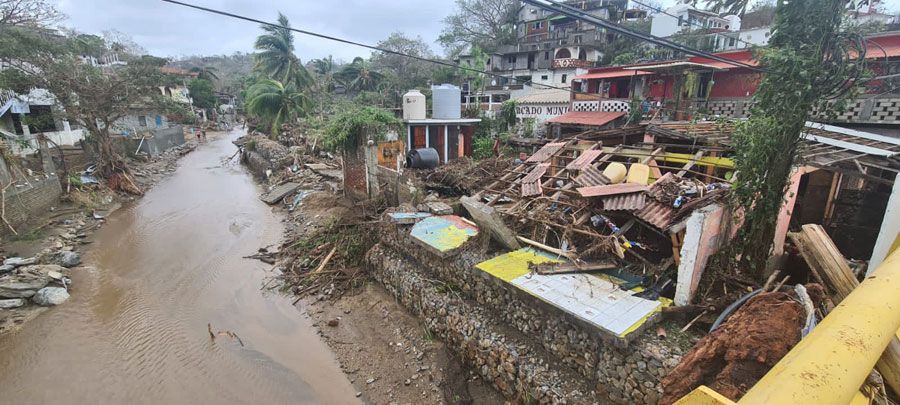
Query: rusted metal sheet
{"type": "Point", "coordinates": [611, 189]}
{"type": "Point", "coordinates": [536, 173]}
{"type": "Point", "coordinates": [546, 152]}
{"type": "Point", "coordinates": [591, 177]}
{"type": "Point", "coordinates": [584, 160]}
{"type": "Point", "coordinates": [625, 202]}
{"type": "Point", "coordinates": [657, 214]}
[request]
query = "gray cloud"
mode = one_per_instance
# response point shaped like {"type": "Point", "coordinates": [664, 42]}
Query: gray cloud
{"type": "Point", "coordinates": [170, 30]}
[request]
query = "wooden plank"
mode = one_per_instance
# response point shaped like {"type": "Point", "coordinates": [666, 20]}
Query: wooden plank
{"type": "Point", "coordinates": [687, 166]}
{"type": "Point", "coordinates": [278, 193]}
{"type": "Point", "coordinates": [825, 260]}
{"type": "Point", "coordinates": [571, 267]}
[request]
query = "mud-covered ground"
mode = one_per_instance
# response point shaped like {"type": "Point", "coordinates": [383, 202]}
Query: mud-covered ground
{"type": "Point", "coordinates": [389, 356]}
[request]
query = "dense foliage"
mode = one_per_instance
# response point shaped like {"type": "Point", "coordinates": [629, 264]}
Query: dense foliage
{"type": "Point", "coordinates": [808, 62]}
{"type": "Point", "coordinates": [345, 129]}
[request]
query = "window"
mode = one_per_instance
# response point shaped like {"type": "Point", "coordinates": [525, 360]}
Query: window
{"type": "Point", "coordinates": [488, 62]}
{"type": "Point", "coordinates": [578, 39]}
{"type": "Point", "coordinates": [543, 77]}
{"type": "Point", "coordinates": [511, 59]}
{"type": "Point", "coordinates": [731, 41]}
{"type": "Point", "coordinates": [142, 120]}
{"type": "Point", "coordinates": [564, 77]}
{"type": "Point", "coordinates": [680, 20]}
{"type": "Point", "coordinates": [546, 55]}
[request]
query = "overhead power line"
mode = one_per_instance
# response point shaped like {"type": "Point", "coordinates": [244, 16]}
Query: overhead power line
{"type": "Point", "coordinates": [445, 63]}
{"type": "Point", "coordinates": [575, 13]}
{"type": "Point", "coordinates": [696, 24]}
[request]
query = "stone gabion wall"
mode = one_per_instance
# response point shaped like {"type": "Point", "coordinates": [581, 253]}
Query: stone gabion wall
{"type": "Point", "coordinates": [507, 361]}
{"type": "Point", "coordinates": [623, 373]}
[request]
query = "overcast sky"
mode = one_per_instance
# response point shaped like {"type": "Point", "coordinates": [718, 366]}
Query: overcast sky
{"type": "Point", "coordinates": [170, 30]}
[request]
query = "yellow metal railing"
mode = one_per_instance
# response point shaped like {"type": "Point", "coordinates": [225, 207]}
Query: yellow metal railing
{"type": "Point", "coordinates": [830, 364]}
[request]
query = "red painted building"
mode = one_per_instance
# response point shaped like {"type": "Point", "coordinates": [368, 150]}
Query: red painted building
{"type": "Point", "coordinates": [716, 86]}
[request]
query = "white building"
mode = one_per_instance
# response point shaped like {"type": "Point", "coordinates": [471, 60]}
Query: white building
{"type": "Point", "coordinates": [683, 17]}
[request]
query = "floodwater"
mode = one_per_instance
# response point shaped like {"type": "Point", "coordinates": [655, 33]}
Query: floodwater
{"type": "Point", "coordinates": [135, 329]}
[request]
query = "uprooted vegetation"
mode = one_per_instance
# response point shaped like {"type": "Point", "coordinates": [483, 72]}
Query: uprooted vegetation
{"type": "Point", "coordinates": [328, 260]}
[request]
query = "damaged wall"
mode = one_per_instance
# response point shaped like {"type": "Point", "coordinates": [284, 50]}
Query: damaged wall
{"type": "Point", "coordinates": [702, 239]}
{"type": "Point", "coordinates": [621, 374]}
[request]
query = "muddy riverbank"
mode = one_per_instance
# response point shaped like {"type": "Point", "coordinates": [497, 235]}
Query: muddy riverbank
{"type": "Point", "coordinates": [161, 270]}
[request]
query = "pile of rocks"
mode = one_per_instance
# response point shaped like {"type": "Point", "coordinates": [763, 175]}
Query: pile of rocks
{"type": "Point", "coordinates": [44, 284]}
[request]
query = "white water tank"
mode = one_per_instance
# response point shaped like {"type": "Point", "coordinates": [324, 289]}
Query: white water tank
{"type": "Point", "coordinates": [414, 105]}
{"type": "Point", "coordinates": [446, 103]}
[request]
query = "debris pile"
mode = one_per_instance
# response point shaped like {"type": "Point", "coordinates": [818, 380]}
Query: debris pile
{"type": "Point", "coordinates": [732, 358]}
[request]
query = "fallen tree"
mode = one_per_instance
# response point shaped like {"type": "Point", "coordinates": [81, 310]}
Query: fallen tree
{"type": "Point", "coordinates": [90, 96]}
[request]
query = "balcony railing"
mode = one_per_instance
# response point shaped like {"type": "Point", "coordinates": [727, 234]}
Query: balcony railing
{"type": "Point", "coordinates": [571, 63]}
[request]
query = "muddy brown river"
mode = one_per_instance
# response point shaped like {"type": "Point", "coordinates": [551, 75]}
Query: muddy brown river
{"type": "Point", "coordinates": [135, 329]}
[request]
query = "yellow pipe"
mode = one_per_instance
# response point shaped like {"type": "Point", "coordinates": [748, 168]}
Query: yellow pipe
{"type": "Point", "coordinates": [830, 364]}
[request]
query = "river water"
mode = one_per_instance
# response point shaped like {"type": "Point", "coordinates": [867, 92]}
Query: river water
{"type": "Point", "coordinates": [135, 329]}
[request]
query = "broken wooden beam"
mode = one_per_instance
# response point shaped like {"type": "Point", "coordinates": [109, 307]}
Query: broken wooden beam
{"type": "Point", "coordinates": [824, 259]}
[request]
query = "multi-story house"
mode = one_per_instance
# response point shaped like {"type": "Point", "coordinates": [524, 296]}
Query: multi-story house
{"type": "Point", "coordinates": [550, 50]}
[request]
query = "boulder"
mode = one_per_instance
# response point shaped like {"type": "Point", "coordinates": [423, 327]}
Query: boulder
{"type": "Point", "coordinates": [18, 261]}
{"type": "Point", "coordinates": [49, 296]}
{"type": "Point", "coordinates": [23, 285]}
{"type": "Point", "coordinates": [6, 268]}
{"type": "Point", "coordinates": [69, 259]}
{"type": "Point", "coordinates": [11, 303]}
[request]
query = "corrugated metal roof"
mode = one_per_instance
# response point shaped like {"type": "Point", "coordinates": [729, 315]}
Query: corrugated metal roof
{"type": "Point", "coordinates": [612, 74]}
{"type": "Point", "coordinates": [612, 189]}
{"type": "Point", "coordinates": [656, 214]}
{"type": "Point", "coordinates": [680, 64]}
{"type": "Point", "coordinates": [536, 173]}
{"type": "Point", "coordinates": [586, 118]}
{"type": "Point", "coordinates": [591, 176]}
{"type": "Point", "coordinates": [625, 202]}
{"type": "Point", "coordinates": [584, 159]}
{"type": "Point", "coordinates": [533, 188]}
{"type": "Point", "coordinates": [546, 152]}
{"type": "Point", "coordinates": [544, 97]}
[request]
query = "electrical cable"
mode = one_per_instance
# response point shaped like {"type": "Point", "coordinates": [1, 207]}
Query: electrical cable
{"type": "Point", "coordinates": [584, 16]}
{"type": "Point", "coordinates": [661, 11]}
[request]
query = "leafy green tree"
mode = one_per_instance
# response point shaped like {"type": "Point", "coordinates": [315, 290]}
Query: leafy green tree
{"type": "Point", "coordinates": [359, 75]}
{"type": "Point", "coordinates": [202, 93]}
{"type": "Point", "coordinates": [483, 23]}
{"type": "Point", "coordinates": [809, 61]}
{"type": "Point", "coordinates": [276, 103]}
{"type": "Point", "coordinates": [345, 128]}
{"type": "Point", "coordinates": [407, 73]}
{"type": "Point", "coordinates": [276, 57]}
{"type": "Point", "coordinates": [91, 97]}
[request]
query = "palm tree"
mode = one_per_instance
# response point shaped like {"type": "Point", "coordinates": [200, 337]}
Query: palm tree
{"type": "Point", "coordinates": [205, 73]}
{"type": "Point", "coordinates": [359, 75]}
{"type": "Point", "coordinates": [737, 7]}
{"type": "Point", "coordinates": [325, 68]}
{"type": "Point", "coordinates": [276, 58]}
{"type": "Point", "coordinates": [276, 103]}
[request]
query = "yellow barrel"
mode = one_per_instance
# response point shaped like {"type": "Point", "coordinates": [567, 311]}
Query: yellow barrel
{"type": "Point", "coordinates": [615, 172]}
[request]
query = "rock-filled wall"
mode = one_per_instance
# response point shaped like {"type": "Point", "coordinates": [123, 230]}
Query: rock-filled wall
{"type": "Point", "coordinates": [615, 370]}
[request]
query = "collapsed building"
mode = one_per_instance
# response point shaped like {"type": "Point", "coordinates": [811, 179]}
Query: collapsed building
{"type": "Point", "coordinates": [551, 279]}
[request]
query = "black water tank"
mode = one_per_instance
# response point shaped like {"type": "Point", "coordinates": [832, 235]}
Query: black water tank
{"type": "Point", "coordinates": [425, 158]}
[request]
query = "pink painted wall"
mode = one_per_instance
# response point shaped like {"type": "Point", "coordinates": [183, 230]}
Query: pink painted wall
{"type": "Point", "coordinates": [787, 210]}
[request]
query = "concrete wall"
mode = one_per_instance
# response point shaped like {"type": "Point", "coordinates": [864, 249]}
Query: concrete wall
{"type": "Point", "coordinates": [159, 140]}
{"type": "Point", "coordinates": [132, 123]}
{"type": "Point", "coordinates": [702, 238]}
{"type": "Point", "coordinates": [889, 237]}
